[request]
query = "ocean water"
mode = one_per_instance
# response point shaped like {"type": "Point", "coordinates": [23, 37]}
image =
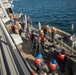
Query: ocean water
{"type": "Point", "coordinates": [58, 13]}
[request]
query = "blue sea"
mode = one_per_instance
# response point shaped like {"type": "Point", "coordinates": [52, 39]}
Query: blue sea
{"type": "Point", "coordinates": [58, 13]}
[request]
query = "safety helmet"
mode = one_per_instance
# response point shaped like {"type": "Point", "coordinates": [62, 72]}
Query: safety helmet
{"type": "Point", "coordinates": [62, 51]}
{"type": "Point", "coordinates": [54, 61]}
{"type": "Point", "coordinates": [47, 26]}
{"type": "Point", "coordinates": [41, 31]}
{"type": "Point", "coordinates": [53, 27]}
{"type": "Point", "coordinates": [39, 56]}
{"type": "Point", "coordinates": [32, 31]}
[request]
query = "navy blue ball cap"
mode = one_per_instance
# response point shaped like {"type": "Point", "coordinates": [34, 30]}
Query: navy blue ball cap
{"type": "Point", "coordinates": [62, 51]}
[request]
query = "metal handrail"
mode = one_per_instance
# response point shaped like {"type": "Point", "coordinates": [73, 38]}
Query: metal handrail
{"type": "Point", "coordinates": [7, 57]}
{"type": "Point", "coordinates": [2, 65]}
{"type": "Point", "coordinates": [59, 41]}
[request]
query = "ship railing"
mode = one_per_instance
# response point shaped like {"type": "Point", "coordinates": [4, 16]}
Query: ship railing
{"type": "Point", "coordinates": [8, 60]}
{"type": "Point", "coordinates": [65, 46]}
{"type": "Point", "coordinates": [62, 43]}
{"type": "Point", "coordinates": [2, 65]}
{"type": "Point", "coordinates": [62, 34]}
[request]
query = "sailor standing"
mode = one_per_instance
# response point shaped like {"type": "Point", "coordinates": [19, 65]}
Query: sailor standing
{"type": "Point", "coordinates": [62, 60]}
{"type": "Point", "coordinates": [19, 27]}
{"type": "Point", "coordinates": [53, 31]}
{"type": "Point", "coordinates": [42, 39]}
{"type": "Point", "coordinates": [32, 35]}
{"type": "Point", "coordinates": [21, 23]}
{"type": "Point", "coordinates": [54, 66]}
{"type": "Point", "coordinates": [46, 29]}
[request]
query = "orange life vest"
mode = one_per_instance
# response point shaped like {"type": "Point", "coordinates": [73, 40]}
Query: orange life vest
{"type": "Point", "coordinates": [43, 39]}
{"type": "Point", "coordinates": [16, 27]}
{"type": "Point", "coordinates": [61, 56]}
{"type": "Point", "coordinates": [38, 61]}
{"type": "Point", "coordinates": [53, 66]}
{"type": "Point", "coordinates": [31, 35]}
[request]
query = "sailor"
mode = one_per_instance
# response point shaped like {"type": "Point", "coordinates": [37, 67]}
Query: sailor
{"type": "Point", "coordinates": [62, 60]}
{"type": "Point", "coordinates": [13, 30]}
{"type": "Point", "coordinates": [42, 39]}
{"type": "Point", "coordinates": [53, 31]}
{"type": "Point", "coordinates": [22, 24]}
{"type": "Point", "coordinates": [54, 66]}
{"type": "Point", "coordinates": [28, 20]}
{"type": "Point", "coordinates": [39, 62]}
{"type": "Point", "coordinates": [14, 17]}
{"type": "Point", "coordinates": [16, 29]}
{"type": "Point", "coordinates": [34, 38]}
{"type": "Point", "coordinates": [46, 28]}
{"type": "Point", "coordinates": [12, 26]}
{"type": "Point", "coordinates": [19, 27]}
{"type": "Point", "coordinates": [32, 35]}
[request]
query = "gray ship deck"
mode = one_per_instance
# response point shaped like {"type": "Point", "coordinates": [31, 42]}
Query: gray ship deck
{"type": "Point", "coordinates": [25, 50]}
{"type": "Point", "coordinates": [27, 54]}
